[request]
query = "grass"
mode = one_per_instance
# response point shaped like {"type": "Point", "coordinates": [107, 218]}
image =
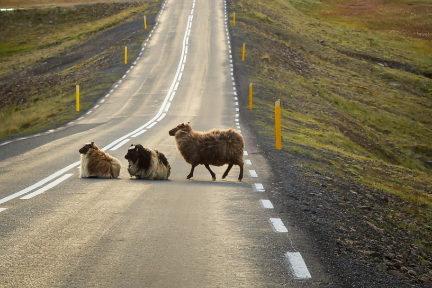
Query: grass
{"type": "Point", "coordinates": [49, 98]}
{"type": "Point", "coordinates": [356, 102]}
{"type": "Point", "coordinates": [38, 3]}
{"type": "Point", "coordinates": [36, 34]}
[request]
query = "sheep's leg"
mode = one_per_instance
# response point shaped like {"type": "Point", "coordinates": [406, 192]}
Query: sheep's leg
{"type": "Point", "coordinates": [241, 173]}
{"type": "Point", "coordinates": [211, 172]}
{"type": "Point", "coordinates": [227, 171]}
{"type": "Point", "coordinates": [191, 173]}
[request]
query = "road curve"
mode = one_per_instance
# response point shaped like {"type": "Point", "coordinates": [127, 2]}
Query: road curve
{"type": "Point", "coordinates": [59, 230]}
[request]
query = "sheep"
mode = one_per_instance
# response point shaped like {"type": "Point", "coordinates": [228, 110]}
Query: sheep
{"type": "Point", "coordinates": [145, 163]}
{"type": "Point", "coordinates": [216, 147]}
{"type": "Point", "coordinates": [96, 163]}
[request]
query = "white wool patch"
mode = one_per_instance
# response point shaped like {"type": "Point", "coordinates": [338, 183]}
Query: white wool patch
{"type": "Point", "coordinates": [131, 148]}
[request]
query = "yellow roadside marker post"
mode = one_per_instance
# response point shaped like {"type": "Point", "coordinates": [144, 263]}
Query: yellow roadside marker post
{"type": "Point", "coordinates": [244, 48]}
{"type": "Point", "coordinates": [250, 96]}
{"type": "Point", "coordinates": [278, 125]}
{"type": "Point", "coordinates": [145, 22]}
{"type": "Point", "coordinates": [234, 18]}
{"type": "Point", "coordinates": [125, 54]}
{"type": "Point", "coordinates": [77, 97]}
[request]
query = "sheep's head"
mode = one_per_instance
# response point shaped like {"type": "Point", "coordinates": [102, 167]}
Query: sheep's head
{"type": "Point", "coordinates": [181, 127]}
{"type": "Point", "coordinates": [88, 147]}
{"type": "Point", "coordinates": [139, 153]}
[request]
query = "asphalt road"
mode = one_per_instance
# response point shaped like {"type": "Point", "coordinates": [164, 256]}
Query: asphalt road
{"type": "Point", "coordinates": [59, 230]}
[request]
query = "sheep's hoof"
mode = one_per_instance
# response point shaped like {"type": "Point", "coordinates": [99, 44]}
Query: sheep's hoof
{"type": "Point", "coordinates": [214, 179]}
{"type": "Point", "coordinates": [223, 177]}
{"type": "Point", "coordinates": [239, 179]}
{"type": "Point", "coordinates": [188, 177]}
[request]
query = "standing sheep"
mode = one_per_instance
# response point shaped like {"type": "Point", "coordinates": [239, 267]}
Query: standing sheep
{"type": "Point", "coordinates": [216, 147]}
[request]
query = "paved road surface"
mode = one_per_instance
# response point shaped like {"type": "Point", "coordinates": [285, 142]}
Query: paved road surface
{"type": "Point", "coordinates": [59, 230]}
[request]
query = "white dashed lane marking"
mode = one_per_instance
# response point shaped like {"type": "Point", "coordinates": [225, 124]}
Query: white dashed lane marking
{"type": "Point", "coordinates": [120, 144]}
{"type": "Point", "coordinates": [266, 204]}
{"type": "Point", "coordinates": [297, 265]}
{"type": "Point", "coordinates": [252, 173]}
{"type": "Point", "coordinates": [139, 133]}
{"type": "Point", "coordinates": [248, 162]}
{"type": "Point", "coordinates": [278, 225]}
{"type": "Point", "coordinates": [151, 125]}
{"type": "Point", "coordinates": [47, 187]}
{"type": "Point", "coordinates": [2, 209]}
{"type": "Point", "coordinates": [258, 187]}
{"type": "Point", "coordinates": [161, 117]}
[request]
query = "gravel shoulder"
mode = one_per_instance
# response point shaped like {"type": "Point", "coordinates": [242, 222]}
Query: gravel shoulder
{"type": "Point", "coordinates": [344, 217]}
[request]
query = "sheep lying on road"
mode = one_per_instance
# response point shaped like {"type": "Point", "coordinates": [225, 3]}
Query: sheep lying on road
{"type": "Point", "coordinates": [96, 163]}
{"type": "Point", "coordinates": [216, 147]}
{"type": "Point", "coordinates": [146, 163]}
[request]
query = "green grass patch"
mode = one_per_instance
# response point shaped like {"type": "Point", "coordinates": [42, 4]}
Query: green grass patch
{"type": "Point", "coordinates": [355, 97]}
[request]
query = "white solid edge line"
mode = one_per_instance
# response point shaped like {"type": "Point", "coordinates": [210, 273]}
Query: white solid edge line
{"type": "Point", "coordinates": [139, 133]}
{"type": "Point", "coordinates": [5, 143]}
{"type": "Point", "coordinates": [42, 182]}
{"type": "Point", "coordinates": [47, 187]}
{"type": "Point", "coordinates": [278, 225]}
{"type": "Point", "coordinates": [2, 209]}
{"type": "Point", "coordinates": [62, 171]}
{"type": "Point", "coordinates": [161, 117]}
{"type": "Point", "coordinates": [172, 96]}
{"type": "Point", "coordinates": [266, 204]}
{"type": "Point", "coordinates": [167, 107]}
{"type": "Point", "coordinates": [120, 144]}
{"type": "Point", "coordinates": [297, 265]}
{"type": "Point", "coordinates": [151, 125]}
{"type": "Point", "coordinates": [162, 106]}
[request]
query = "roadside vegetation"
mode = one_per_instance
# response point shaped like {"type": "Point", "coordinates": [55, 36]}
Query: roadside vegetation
{"type": "Point", "coordinates": [46, 51]}
{"type": "Point", "coordinates": [354, 79]}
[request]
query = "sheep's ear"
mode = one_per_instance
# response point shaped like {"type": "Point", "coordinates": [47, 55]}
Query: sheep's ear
{"type": "Point", "coordinates": [131, 145]}
{"type": "Point", "coordinates": [92, 144]}
{"type": "Point", "coordinates": [182, 125]}
{"type": "Point", "coordinates": [189, 122]}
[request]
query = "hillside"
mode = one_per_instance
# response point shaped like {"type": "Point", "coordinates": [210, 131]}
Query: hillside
{"type": "Point", "coordinates": [354, 79]}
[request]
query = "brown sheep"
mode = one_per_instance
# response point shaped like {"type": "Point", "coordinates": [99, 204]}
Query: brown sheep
{"type": "Point", "coordinates": [216, 147]}
{"type": "Point", "coordinates": [96, 163]}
